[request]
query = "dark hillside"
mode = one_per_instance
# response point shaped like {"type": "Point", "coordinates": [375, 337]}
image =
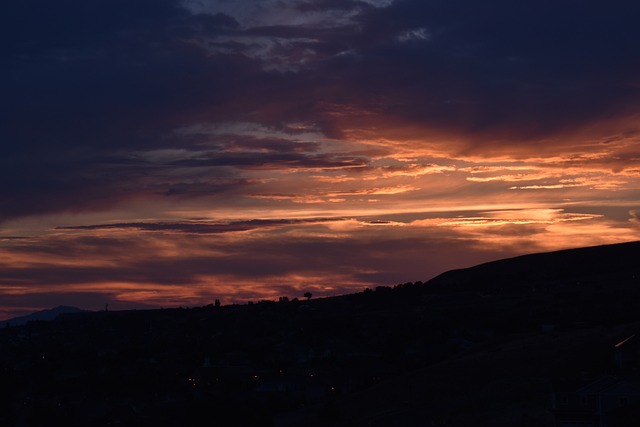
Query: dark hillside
{"type": "Point", "coordinates": [608, 264]}
{"type": "Point", "coordinates": [486, 345]}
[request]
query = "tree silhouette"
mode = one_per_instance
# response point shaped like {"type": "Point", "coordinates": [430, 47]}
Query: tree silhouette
{"type": "Point", "coordinates": [308, 295]}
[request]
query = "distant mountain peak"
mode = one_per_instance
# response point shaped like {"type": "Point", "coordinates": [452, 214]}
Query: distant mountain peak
{"type": "Point", "coordinates": [48, 314]}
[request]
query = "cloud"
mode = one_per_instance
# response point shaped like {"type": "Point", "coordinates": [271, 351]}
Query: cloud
{"type": "Point", "coordinates": [166, 128]}
{"type": "Point", "coordinates": [109, 258]}
{"type": "Point", "coordinates": [201, 227]}
{"type": "Point", "coordinates": [151, 264]}
{"type": "Point", "coordinates": [84, 82]}
{"type": "Point", "coordinates": [273, 161]}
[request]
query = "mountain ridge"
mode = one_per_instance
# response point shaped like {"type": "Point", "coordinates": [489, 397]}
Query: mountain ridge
{"type": "Point", "coordinates": [43, 315]}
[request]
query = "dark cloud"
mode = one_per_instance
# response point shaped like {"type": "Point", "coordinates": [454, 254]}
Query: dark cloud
{"type": "Point", "coordinates": [525, 68]}
{"type": "Point", "coordinates": [201, 227]}
{"type": "Point", "coordinates": [322, 5]}
{"type": "Point", "coordinates": [243, 143]}
{"type": "Point", "coordinates": [274, 161]}
{"type": "Point", "coordinates": [85, 81]}
{"type": "Point", "coordinates": [81, 183]}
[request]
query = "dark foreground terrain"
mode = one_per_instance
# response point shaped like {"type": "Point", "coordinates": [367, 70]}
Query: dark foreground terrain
{"type": "Point", "coordinates": [529, 341]}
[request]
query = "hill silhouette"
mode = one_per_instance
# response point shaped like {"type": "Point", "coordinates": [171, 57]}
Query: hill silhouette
{"type": "Point", "coordinates": [597, 264]}
{"type": "Point", "coordinates": [487, 345]}
{"type": "Point", "coordinates": [49, 314]}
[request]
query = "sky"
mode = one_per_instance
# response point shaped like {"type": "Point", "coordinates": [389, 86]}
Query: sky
{"type": "Point", "coordinates": [162, 153]}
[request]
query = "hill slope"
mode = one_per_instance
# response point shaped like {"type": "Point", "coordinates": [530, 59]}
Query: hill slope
{"type": "Point", "coordinates": [479, 346]}
{"type": "Point", "coordinates": [598, 264]}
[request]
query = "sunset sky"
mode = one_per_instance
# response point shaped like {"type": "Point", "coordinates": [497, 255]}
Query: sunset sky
{"type": "Point", "coordinates": [160, 153]}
